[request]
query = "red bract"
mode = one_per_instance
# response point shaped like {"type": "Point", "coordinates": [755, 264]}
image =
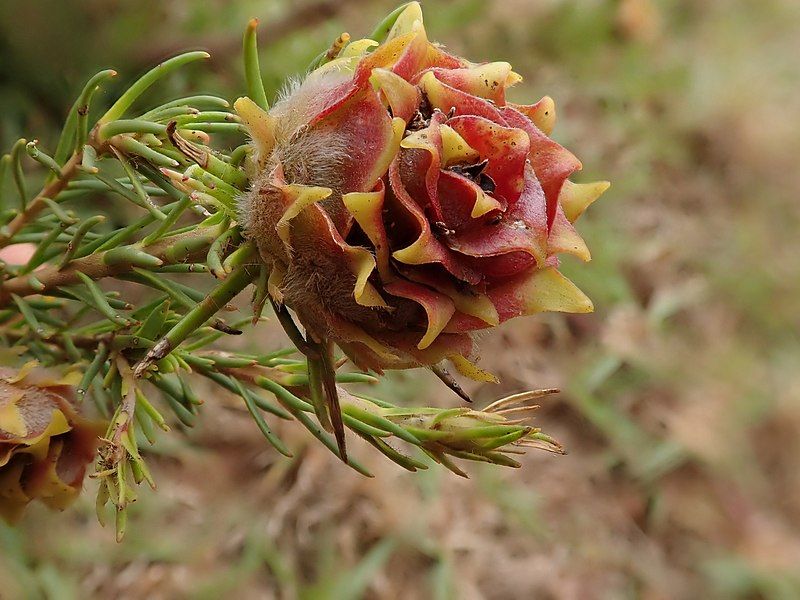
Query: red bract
{"type": "Point", "coordinates": [402, 203]}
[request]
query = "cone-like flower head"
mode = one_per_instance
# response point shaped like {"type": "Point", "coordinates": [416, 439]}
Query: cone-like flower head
{"type": "Point", "coordinates": [403, 203]}
{"type": "Point", "coordinates": [45, 444]}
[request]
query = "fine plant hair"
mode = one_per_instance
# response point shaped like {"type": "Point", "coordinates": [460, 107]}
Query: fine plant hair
{"type": "Point", "coordinates": [306, 159]}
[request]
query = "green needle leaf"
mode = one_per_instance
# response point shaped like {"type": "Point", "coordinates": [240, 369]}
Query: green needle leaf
{"type": "Point", "coordinates": [131, 146]}
{"type": "Point", "coordinates": [197, 316]}
{"type": "Point", "coordinates": [113, 128]}
{"type": "Point", "coordinates": [130, 255]}
{"type": "Point", "coordinates": [81, 112]}
{"type": "Point", "coordinates": [42, 158]}
{"type": "Point", "coordinates": [140, 86]}
{"type": "Point", "coordinates": [100, 301]}
{"type": "Point", "coordinates": [5, 167]}
{"type": "Point", "coordinates": [252, 71]}
{"type": "Point", "coordinates": [202, 102]}
{"type": "Point", "coordinates": [381, 423]}
{"type": "Point", "coordinates": [19, 176]}
{"type": "Point", "coordinates": [273, 439]}
{"type": "Point", "coordinates": [93, 370]}
{"type": "Point", "coordinates": [28, 315]}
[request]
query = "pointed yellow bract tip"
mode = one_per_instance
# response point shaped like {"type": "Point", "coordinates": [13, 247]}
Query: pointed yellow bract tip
{"type": "Point", "coordinates": [564, 239]}
{"type": "Point", "coordinates": [455, 149]}
{"type": "Point", "coordinates": [369, 296]}
{"type": "Point", "coordinates": [438, 318]}
{"type": "Point", "coordinates": [413, 254]}
{"type": "Point", "coordinates": [484, 204]}
{"type": "Point", "coordinates": [419, 140]}
{"type": "Point", "coordinates": [386, 157]}
{"type": "Point", "coordinates": [547, 290]}
{"type": "Point", "coordinates": [401, 96]}
{"type": "Point", "coordinates": [490, 80]}
{"type": "Point", "coordinates": [358, 48]}
{"type": "Point", "coordinates": [300, 198]}
{"type": "Point", "coordinates": [513, 79]}
{"type": "Point", "coordinates": [544, 115]}
{"type": "Point", "coordinates": [575, 198]}
{"type": "Point", "coordinates": [260, 125]}
{"type": "Point", "coordinates": [23, 371]}
{"type": "Point", "coordinates": [366, 208]}
{"type": "Point", "coordinates": [431, 86]}
{"type": "Point", "coordinates": [362, 264]}
{"type": "Point", "coordinates": [407, 21]}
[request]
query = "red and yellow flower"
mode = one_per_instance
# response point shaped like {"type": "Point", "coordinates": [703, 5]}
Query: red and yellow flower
{"type": "Point", "coordinates": [45, 443]}
{"type": "Point", "coordinates": [403, 203]}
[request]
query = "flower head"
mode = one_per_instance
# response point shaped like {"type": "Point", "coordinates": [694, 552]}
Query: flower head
{"type": "Point", "coordinates": [45, 444]}
{"type": "Point", "coordinates": [403, 203]}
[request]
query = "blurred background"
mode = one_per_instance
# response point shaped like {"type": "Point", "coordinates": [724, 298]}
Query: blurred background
{"type": "Point", "coordinates": [680, 401]}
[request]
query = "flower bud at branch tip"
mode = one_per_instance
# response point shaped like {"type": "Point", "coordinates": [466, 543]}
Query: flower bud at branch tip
{"type": "Point", "coordinates": [401, 202]}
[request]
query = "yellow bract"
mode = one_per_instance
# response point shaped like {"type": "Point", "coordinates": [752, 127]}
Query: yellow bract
{"type": "Point", "coordinates": [362, 263]}
{"type": "Point", "coordinates": [576, 197]}
{"type": "Point", "coordinates": [400, 94]}
{"type": "Point", "coordinates": [415, 253]}
{"type": "Point", "coordinates": [543, 114]}
{"type": "Point", "coordinates": [484, 204]}
{"type": "Point", "coordinates": [367, 209]}
{"type": "Point", "coordinates": [489, 80]}
{"type": "Point", "coordinates": [358, 48]}
{"type": "Point", "coordinates": [398, 126]}
{"type": "Point", "coordinates": [547, 290]}
{"type": "Point", "coordinates": [454, 148]}
{"type": "Point", "coordinates": [564, 239]}
{"type": "Point", "coordinates": [11, 420]}
{"type": "Point", "coordinates": [438, 318]}
{"type": "Point", "coordinates": [410, 20]}
{"type": "Point", "coordinates": [300, 197]}
{"type": "Point", "coordinates": [432, 88]}
{"type": "Point", "coordinates": [260, 125]}
{"type": "Point", "coordinates": [470, 303]}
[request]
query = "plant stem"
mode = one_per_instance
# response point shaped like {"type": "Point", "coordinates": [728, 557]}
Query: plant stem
{"type": "Point", "coordinates": [95, 267]}
{"type": "Point", "coordinates": [51, 190]}
{"type": "Point", "coordinates": [211, 305]}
